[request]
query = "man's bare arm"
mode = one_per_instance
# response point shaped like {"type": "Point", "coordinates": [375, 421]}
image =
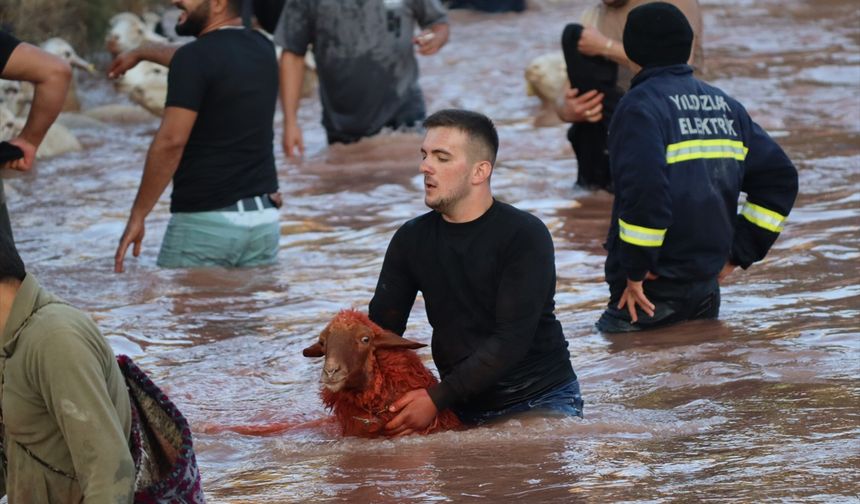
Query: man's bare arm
{"type": "Point", "coordinates": [50, 76]}
{"type": "Point", "coordinates": [292, 71]}
{"type": "Point", "coordinates": [155, 52]}
{"type": "Point", "coordinates": [162, 160]}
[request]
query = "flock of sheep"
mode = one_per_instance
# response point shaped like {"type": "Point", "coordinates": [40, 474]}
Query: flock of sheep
{"type": "Point", "coordinates": [146, 86]}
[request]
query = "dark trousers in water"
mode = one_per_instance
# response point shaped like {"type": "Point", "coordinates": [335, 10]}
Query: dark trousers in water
{"type": "Point", "coordinates": [589, 139]}
{"type": "Point", "coordinates": [412, 113]}
{"type": "Point", "coordinates": [674, 302]}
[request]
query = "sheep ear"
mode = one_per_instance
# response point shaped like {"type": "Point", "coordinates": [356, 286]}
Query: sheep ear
{"type": "Point", "coordinates": [387, 339]}
{"type": "Point", "coordinates": [315, 350]}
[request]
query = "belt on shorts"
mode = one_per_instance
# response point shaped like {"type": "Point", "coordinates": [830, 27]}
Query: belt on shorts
{"type": "Point", "coordinates": [249, 204]}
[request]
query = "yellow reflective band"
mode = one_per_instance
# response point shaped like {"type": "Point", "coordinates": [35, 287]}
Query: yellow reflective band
{"type": "Point", "coordinates": [705, 149]}
{"type": "Point", "coordinates": [762, 217]}
{"type": "Point", "coordinates": [641, 236]}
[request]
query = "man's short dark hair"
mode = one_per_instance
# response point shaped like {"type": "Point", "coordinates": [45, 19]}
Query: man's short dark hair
{"type": "Point", "coordinates": [478, 126]}
{"type": "Point", "coordinates": [11, 265]}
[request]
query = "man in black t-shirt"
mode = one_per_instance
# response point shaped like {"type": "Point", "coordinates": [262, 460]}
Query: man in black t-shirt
{"type": "Point", "coordinates": [486, 271]}
{"type": "Point", "coordinates": [50, 76]}
{"type": "Point", "coordinates": [215, 142]}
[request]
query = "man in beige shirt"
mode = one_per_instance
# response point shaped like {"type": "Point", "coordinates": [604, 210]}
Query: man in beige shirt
{"type": "Point", "coordinates": [599, 73]}
{"type": "Point", "coordinates": [66, 416]}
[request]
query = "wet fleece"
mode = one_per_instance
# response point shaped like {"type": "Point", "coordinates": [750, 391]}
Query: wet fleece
{"type": "Point", "coordinates": [394, 372]}
{"type": "Point", "coordinates": [64, 399]}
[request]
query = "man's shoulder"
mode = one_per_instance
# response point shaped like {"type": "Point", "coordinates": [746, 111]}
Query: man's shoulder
{"type": "Point", "coordinates": [520, 220]}
{"type": "Point", "coordinates": [416, 224]}
{"type": "Point", "coordinates": [59, 325]}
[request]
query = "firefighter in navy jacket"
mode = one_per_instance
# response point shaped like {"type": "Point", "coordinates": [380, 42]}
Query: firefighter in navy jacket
{"type": "Point", "coordinates": [681, 152]}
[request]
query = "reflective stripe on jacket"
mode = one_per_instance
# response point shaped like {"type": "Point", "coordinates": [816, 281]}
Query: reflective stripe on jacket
{"type": "Point", "coordinates": [681, 153]}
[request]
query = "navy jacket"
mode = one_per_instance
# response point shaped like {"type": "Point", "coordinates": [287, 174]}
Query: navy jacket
{"type": "Point", "coordinates": [681, 152]}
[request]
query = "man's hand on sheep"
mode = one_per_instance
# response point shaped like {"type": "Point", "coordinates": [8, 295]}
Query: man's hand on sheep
{"type": "Point", "coordinates": [416, 412]}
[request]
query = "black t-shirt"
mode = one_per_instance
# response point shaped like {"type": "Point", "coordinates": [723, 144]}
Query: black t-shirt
{"type": "Point", "coordinates": [8, 43]}
{"type": "Point", "coordinates": [230, 78]}
{"type": "Point", "coordinates": [489, 288]}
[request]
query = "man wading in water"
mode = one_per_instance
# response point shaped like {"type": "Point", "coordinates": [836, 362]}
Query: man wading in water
{"type": "Point", "coordinates": [215, 142]}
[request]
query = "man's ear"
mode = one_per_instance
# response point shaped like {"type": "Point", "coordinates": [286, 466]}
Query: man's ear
{"type": "Point", "coordinates": [481, 171]}
{"type": "Point", "coordinates": [219, 6]}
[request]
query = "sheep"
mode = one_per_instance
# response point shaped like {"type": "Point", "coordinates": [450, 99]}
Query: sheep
{"type": "Point", "coordinates": [545, 78]}
{"type": "Point", "coordinates": [61, 48]}
{"type": "Point", "coordinates": [17, 96]}
{"type": "Point", "coordinates": [366, 369]}
{"type": "Point", "coordinates": [127, 31]}
{"type": "Point", "coordinates": [58, 140]}
{"type": "Point", "coordinates": [146, 85]}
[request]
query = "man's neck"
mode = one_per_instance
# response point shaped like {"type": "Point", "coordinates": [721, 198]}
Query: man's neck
{"type": "Point", "coordinates": [470, 209]}
{"type": "Point", "coordinates": [221, 22]}
{"type": "Point", "coordinates": [8, 290]}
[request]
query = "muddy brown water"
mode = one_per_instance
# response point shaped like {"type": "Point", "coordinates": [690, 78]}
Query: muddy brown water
{"type": "Point", "coordinates": [761, 405]}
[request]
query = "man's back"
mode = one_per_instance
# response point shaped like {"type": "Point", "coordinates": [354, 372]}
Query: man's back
{"type": "Point", "coordinates": [682, 151]}
{"type": "Point", "coordinates": [65, 401]}
{"type": "Point", "coordinates": [364, 53]}
{"type": "Point", "coordinates": [230, 78]}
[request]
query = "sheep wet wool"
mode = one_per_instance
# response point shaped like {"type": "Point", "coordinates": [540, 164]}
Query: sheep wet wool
{"type": "Point", "coordinates": [366, 369]}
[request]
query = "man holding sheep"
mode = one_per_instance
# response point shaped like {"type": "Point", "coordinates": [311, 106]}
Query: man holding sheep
{"type": "Point", "coordinates": [486, 271]}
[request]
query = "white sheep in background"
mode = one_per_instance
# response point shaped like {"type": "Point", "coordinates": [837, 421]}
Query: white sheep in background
{"type": "Point", "coordinates": [58, 140]}
{"type": "Point", "coordinates": [127, 31]}
{"type": "Point", "coordinates": [64, 50]}
{"type": "Point", "coordinates": [545, 78]}
{"type": "Point", "coordinates": [146, 85]}
{"type": "Point", "coordinates": [17, 96]}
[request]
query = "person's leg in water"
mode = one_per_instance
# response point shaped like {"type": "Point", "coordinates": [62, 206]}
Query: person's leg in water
{"type": "Point", "coordinates": [589, 139]}
{"type": "Point", "coordinates": [564, 399]}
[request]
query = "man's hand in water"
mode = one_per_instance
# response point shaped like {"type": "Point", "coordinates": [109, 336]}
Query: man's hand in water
{"type": "Point", "coordinates": [133, 233]}
{"type": "Point", "coordinates": [727, 270]}
{"type": "Point", "coordinates": [294, 147]}
{"type": "Point", "coordinates": [634, 295]}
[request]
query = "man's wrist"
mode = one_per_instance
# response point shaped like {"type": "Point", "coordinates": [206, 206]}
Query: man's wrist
{"type": "Point", "coordinates": [636, 275]}
{"type": "Point", "coordinates": [607, 48]}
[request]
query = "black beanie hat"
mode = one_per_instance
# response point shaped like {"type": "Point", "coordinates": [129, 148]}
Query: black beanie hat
{"type": "Point", "coordinates": [657, 34]}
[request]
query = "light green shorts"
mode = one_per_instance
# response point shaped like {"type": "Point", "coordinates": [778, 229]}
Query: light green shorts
{"type": "Point", "coordinates": [228, 239]}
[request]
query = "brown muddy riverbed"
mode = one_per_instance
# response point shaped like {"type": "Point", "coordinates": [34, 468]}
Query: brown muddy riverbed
{"type": "Point", "coordinates": [760, 406]}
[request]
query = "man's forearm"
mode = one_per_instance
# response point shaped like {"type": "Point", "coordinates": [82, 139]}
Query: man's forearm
{"type": "Point", "coordinates": [292, 73]}
{"type": "Point", "coordinates": [48, 98]}
{"type": "Point", "coordinates": [615, 52]}
{"type": "Point", "coordinates": [162, 160]}
{"type": "Point", "coordinates": [157, 52]}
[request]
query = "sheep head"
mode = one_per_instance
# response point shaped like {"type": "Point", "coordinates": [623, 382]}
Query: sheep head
{"type": "Point", "coordinates": [59, 47]}
{"type": "Point", "coordinates": [348, 343]}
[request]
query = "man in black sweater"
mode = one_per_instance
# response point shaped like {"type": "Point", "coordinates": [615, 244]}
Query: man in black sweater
{"type": "Point", "coordinates": [487, 274]}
